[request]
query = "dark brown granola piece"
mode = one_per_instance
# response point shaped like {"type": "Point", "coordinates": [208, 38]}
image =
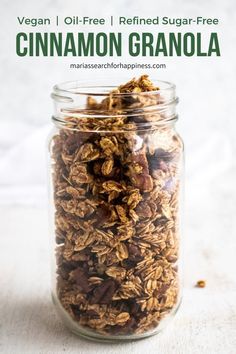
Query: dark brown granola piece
{"type": "Point", "coordinates": [103, 293]}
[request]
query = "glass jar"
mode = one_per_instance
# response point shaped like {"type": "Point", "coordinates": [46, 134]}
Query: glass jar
{"type": "Point", "coordinates": [116, 167]}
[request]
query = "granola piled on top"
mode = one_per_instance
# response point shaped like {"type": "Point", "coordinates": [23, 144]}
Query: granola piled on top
{"type": "Point", "coordinates": [116, 190]}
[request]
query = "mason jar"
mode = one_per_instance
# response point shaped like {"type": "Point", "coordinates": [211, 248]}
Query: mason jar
{"type": "Point", "coordinates": [116, 165]}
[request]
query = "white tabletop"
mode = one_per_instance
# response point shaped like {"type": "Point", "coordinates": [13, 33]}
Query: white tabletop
{"type": "Point", "coordinates": [205, 323]}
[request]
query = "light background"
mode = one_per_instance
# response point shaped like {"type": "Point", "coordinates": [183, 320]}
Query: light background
{"type": "Point", "coordinates": [206, 88]}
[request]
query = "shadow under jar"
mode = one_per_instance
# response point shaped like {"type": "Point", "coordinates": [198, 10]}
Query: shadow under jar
{"type": "Point", "coordinates": [116, 167]}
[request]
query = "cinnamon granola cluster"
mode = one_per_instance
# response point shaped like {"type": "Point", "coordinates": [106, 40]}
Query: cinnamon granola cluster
{"type": "Point", "coordinates": [116, 190]}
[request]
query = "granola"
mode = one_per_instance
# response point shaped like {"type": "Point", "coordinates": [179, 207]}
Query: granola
{"type": "Point", "coordinates": [201, 284]}
{"type": "Point", "coordinates": [116, 192]}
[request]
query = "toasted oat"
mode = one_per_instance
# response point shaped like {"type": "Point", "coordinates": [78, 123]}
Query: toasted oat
{"type": "Point", "coordinates": [122, 318]}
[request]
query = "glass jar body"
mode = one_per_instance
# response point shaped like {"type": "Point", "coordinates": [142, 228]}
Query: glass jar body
{"type": "Point", "coordinates": [115, 197]}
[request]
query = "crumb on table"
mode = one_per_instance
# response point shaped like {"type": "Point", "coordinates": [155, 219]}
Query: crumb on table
{"type": "Point", "coordinates": [201, 284]}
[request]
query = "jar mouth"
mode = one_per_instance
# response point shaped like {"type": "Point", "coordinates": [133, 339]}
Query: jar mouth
{"type": "Point", "coordinates": [71, 102]}
{"type": "Point", "coordinates": [87, 88]}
